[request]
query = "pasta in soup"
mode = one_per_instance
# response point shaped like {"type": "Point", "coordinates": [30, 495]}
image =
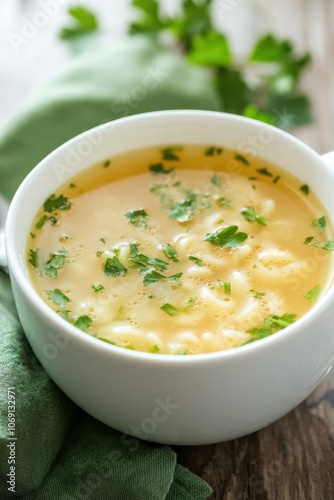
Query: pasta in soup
{"type": "Point", "coordinates": [181, 250]}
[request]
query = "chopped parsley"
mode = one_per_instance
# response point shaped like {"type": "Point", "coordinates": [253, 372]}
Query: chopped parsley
{"type": "Point", "coordinates": [170, 252]}
{"type": "Point", "coordinates": [65, 314]}
{"type": "Point", "coordinates": [258, 295]}
{"type": "Point", "coordinates": [226, 238]}
{"type": "Point", "coordinates": [58, 297]}
{"type": "Point", "coordinates": [324, 245]}
{"type": "Point", "coordinates": [155, 348]}
{"type": "Point", "coordinates": [159, 169]}
{"type": "Point", "coordinates": [320, 223]}
{"type": "Point", "coordinates": [144, 263]}
{"type": "Point", "coordinates": [276, 179]}
{"type": "Point", "coordinates": [152, 277]}
{"type": "Point", "coordinates": [216, 181]}
{"type": "Point", "coordinates": [223, 202]}
{"type": "Point", "coordinates": [32, 236]}
{"type": "Point", "coordinates": [175, 279]}
{"type": "Point", "coordinates": [241, 158]}
{"type": "Point", "coordinates": [97, 288]}
{"type": "Point", "coordinates": [106, 163]}
{"type": "Point", "coordinates": [183, 211]}
{"type": "Point", "coordinates": [54, 203]}
{"type": "Point", "coordinates": [250, 215]}
{"type": "Point", "coordinates": [271, 325]}
{"type": "Point", "coordinates": [83, 322]}
{"type": "Point", "coordinates": [138, 218]}
{"type": "Point", "coordinates": [99, 253]}
{"type": "Point", "coordinates": [56, 261]}
{"type": "Point", "coordinates": [33, 257]}
{"type": "Point", "coordinates": [305, 188]}
{"type": "Point", "coordinates": [170, 154]}
{"type": "Point", "coordinates": [107, 341]}
{"type": "Point", "coordinates": [313, 295]}
{"type": "Point", "coordinates": [213, 151]}
{"type": "Point", "coordinates": [197, 261]}
{"type": "Point", "coordinates": [226, 285]}
{"type": "Point", "coordinates": [40, 223]}
{"type": "Point", "coordinates": [114, 268]}
{"type": "Point", "coordinates": [170, 309]}
{"type": "Point", "coordinates": [264, 171]}
{"type": "Point", "coordinates": [102, 240]}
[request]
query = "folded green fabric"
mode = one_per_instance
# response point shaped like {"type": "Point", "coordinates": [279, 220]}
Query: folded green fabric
{"type": "Point", "coordinates": [60, 452]}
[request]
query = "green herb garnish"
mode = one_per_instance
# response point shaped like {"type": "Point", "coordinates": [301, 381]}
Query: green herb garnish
{"type": "Point", "coordinates": [223, 202]}
{"type": "Point", "coordinates": [170, 252]}
{"type": "Point", "coordinates": [226, 285]}
{"type": "Point", "coordinates": [216, 181]}
{"type": "Point", "coordinates": [170, 154]}
{"type": "Point", "coordinates": [320, 223]}
{"type": "Point", "coordinates": [114, 268]}
{"type": "Point", "coordinates": [170, 309]}
{"type": "Point", "coordinates": [258, 295]}
{"type": "Point", "coordinates": [213, 151]}
{"type": "Point", "coordinates": [313, 295]}
{"type": "Point", "coordinates": [242, 159]}
{"type": "Point", "coordinates": [250, 215]}
{"type": "Point", "coordinates": [138, 218]}
{"type": "Point", "coordinates": [155, 348]}
{"type": "Point", "coordinates": [83, 322]}
{"type": "Point", "coordinates": [106, 163]}
{"type": "Point", "coordinates": [56, 203]}
{"type": "Point", "coordinates": [226, 238]}
{"type": "Point", "coordinates": [41, 221]}
{"type": "Point", "coordinates": [56, 261]}
{"type": "Point", "coordinates": [197, 261]}
{"type": "Point", "coordinates": [33, 257]}
{"type": "Point", "coordinates": [97, 288]}
{"type": "Point", "coordinates": [271, 325]}
{"type": "Point", "coordinates": [152, 277]}
{"type": "Point", "coordinates": [175, 279]}
{"type": "Point", "coordinates": [305, 188]}
{"type": "Point", "coordinates": [324, 245]}
{"type": "Point", "coordinates": [58, 297]}
{"type": "Point", "coordinates": [159, 169]}
{"type": "Point", "coordinates": [264, 171]}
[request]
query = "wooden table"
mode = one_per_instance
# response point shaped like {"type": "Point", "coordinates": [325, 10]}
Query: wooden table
{"type": "Point", "coordinates": [292, 459]}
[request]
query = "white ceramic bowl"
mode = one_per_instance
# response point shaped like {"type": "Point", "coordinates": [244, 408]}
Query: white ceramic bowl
{"type": "Point", "coordinates": [169, 399]}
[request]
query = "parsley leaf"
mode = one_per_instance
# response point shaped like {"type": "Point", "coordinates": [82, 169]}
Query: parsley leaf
{"type": "Point", "coordinates": [54, 203]}
{"type": "Point", "coordinates": [270, 49]}
{"type": "Point", "coordinates": [56, 261]}
{"type": "Point", "coordinates": [83, 322]}
{"type": "Point", "coordinates": [320, 223]}
{"type": "Point", "coordinates": [58, 297]}
{"type": "Point", "coordinates": [313, 295]}
{"type": "Point", "coordinates": [85, 22]}
{"type": "Point", "coordinates": [33, 257]}
{"type": "Point", "coordinates": [159, 169]}
{"type": "Point", "coordinates": [170, 153]}
{"type": "Point", "coordinates": [138, 218]}
{"type": "Point", "coordinates": [271, 325]}
{"type": "Point", "coordinates": [241, 158]}
{"type": "Point", "coordinates": [184, 210]}
{"type": "Point", "coordinates": [152, 276]}
{"type": "Point", "coordinates": [223, 202]}
{"type": "Point", "coordinates": [250, 215]}
{"type": "Point", "coordinates": [264, 171]}
{"type": "Point", "coordinates": [210, 49]}
{"type": "Point", "coordinates": [213, 151]}
{"type": "Point", "coordinates": [97, 288]}
{"type": "Point", "coordinates": [324, 245]}
{"type": "Point", "coordinates": [197, 261]}
{"type": "Point", "coordinates": [226, 238]}
{"type": "Point", "coordinates": [114, 268]}
{"type": "Point", "coordinates": [305, 189]}
{"type": "Point", "coordinates": [170, 252]}
{"type": "Point", "coordinates": [170, 309]}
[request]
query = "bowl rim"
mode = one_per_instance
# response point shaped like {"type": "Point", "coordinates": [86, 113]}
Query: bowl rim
{"type": "Point", "coordinates": [31, 295]}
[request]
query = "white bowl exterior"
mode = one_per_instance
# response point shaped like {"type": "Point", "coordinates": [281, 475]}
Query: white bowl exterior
{"type": "Point", "coordinates": [174, 400]}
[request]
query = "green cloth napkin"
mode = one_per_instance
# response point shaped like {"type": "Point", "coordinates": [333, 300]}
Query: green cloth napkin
{"type": "Point", "coordinates": [61, 452]}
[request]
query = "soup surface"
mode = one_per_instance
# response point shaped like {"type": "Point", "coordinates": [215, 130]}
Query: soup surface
{"type": "Point", "coordinates": [181, 250]}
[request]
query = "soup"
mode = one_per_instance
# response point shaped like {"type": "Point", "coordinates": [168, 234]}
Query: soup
{"type": "Point", "coordinates": [181, 250]}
